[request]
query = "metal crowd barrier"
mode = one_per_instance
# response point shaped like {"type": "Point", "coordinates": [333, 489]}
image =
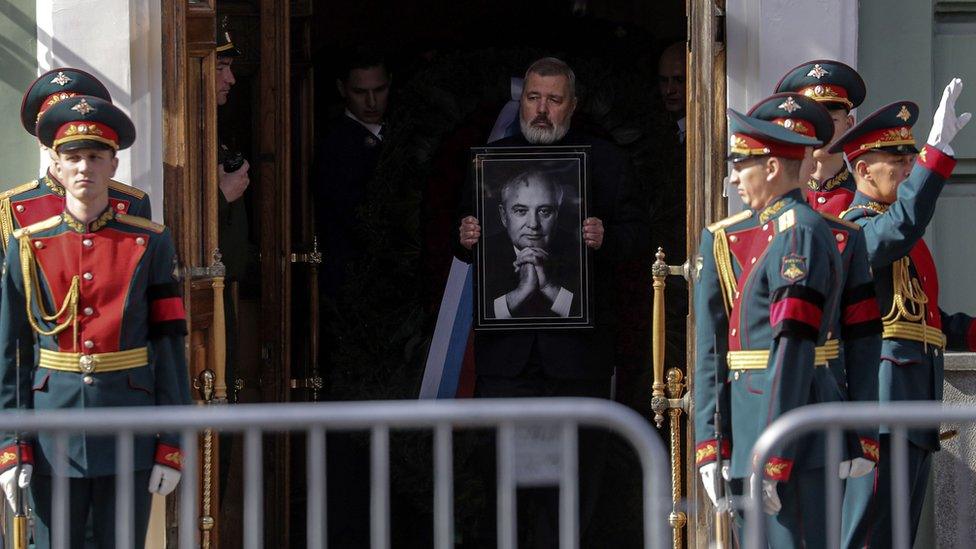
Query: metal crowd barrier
{"type": "Point", "coordinates": [379, 418]}
{"type": "Point", "coordinates": [834, 419]}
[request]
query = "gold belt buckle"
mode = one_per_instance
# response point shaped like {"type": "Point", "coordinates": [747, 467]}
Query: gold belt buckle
{"type": "Point", "coordinates": [87, 365]}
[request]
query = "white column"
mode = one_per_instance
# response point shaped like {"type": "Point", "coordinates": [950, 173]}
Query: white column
{"type": "Point", "coordinates": [120, 43]}
{"type": "Point", "coordinates": [766, 38]}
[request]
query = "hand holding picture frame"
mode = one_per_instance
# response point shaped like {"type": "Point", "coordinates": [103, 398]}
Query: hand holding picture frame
{"type": "Point", "coordinates": [532, 268]}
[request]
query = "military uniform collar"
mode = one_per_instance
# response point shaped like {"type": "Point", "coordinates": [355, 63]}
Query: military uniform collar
{"type": "Point", "coordinates": [53, 184]}
{"type": "Point", "coordinates": [780, 205]}
{"type": "Point", "coordinates": [864, 202]}
{"type": "Point", "coordinates": [831, 183]}
{"type": "Point", "coordinates": [99, 222]}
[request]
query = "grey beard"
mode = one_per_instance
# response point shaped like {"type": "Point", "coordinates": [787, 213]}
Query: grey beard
{"type": "Point", "coordinates": [543, 136]}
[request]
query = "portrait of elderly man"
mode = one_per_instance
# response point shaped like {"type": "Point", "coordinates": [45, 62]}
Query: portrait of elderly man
{"type": "Point", "coordinates": [532, 266]}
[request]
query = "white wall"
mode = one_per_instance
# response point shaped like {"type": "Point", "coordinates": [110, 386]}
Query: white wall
{"type": "Point", "coordinates": [120, 42]}
{"type": "Point", "coordinates": [766, 38]}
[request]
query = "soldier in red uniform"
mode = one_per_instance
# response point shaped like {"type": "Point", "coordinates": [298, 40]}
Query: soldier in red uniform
{"type": "Point", "coordinates": [100, 290]}
{"type": "Point", "coordinates": [840, 89]}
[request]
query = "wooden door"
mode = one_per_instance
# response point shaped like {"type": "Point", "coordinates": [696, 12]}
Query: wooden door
{"type": "Point", "coordinates": [190, 210]}
{"type": "Point", "coordinates": [706, 171]}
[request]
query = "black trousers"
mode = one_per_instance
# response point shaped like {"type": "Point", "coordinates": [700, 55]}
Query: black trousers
{"type": "Point", "coordinates": [92, 498]}
{"type": "Point", "coordinates": [538, 508]}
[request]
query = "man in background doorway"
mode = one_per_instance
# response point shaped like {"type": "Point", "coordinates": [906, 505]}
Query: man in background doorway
{"type": "Point", "coordinates": [347, 155]}
{"type": "Point", "coordinates": [671, 70]}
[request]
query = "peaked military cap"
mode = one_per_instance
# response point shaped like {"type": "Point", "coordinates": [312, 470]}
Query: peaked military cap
{"type": "Point", "coordinates": [797, 113]}
{"type": "Point", "coordinates": [53, 86]}
{"type": "Point", "coordinates": [749, 136]}
{"type": "Point", "coordinates": [887, 129]}
{"type": "Point", "coordinates": [85, 122]}
{"type": "Point", "coordinates": [225, 44]}
{"type": "Point", "coordinates": [832, 83]}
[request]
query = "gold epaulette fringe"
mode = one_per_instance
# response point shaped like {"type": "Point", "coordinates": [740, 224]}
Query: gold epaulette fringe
{"type": "Point", "coordinates": [731, 220]}
{"type": "Point", "coordinates": [140, 222]}
{"type": "Point", "coordinates": [843, 222]}
{"type": "Point", "coordinates": [127, 189]}
{"type": "Point", "coordinates": [29, 186]}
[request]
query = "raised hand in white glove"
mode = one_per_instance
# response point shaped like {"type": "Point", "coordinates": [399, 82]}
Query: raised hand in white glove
{"type": "Point", "coordinates": [23, 481]}
{"type": "Point", "coordinates": [707, 473]}
{"type": "Point", "coordinates": [163, 479]}
{"type": "Point", "coordinates": [945, 123]}
{"type": "Point", "coordinates": [771, 502]}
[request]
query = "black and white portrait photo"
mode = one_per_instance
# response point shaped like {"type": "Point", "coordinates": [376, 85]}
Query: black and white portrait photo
{"type": "Point", "coordinates": [531, 266]}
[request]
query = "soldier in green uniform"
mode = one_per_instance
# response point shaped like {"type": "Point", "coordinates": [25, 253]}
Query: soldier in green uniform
{"type": "Point", "coordinates": [767, 296]}
{"type": "Point", "coordinates": [841, 89]}
{"type": "Point", "coordinates": [859, 328]}
{"type": "Point", "coordinates": [101, 291]}
{"type": "Point", "coordinates": [897, 190]}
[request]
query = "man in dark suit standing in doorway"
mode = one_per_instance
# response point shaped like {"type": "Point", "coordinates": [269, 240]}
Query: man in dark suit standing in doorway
{"type": "Point", "coordinates": [347, 156]}
{"type": "Point", "coordinates": [563, 362]}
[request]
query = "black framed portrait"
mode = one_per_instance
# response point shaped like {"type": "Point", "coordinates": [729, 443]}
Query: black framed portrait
{"type": "Point", "coordinates": [532, 269]}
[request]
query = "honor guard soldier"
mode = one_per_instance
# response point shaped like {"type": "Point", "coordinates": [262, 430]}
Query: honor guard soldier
{"type": "Point", "coordinates": [840, 89]}
{"type": "Point", "coordinates": [101, 291]}
{"type": "Point", "coordinates": [859, 328]}
{"type": "Point", "coordinates": [897, 190]}
{"type": "Point", "coordinates": [44, 197]}
{"type": "Point", "coordinates": [767, 297]}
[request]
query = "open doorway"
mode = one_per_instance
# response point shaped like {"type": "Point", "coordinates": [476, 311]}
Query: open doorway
{"type": "Point", "coordinates": [451, 66]}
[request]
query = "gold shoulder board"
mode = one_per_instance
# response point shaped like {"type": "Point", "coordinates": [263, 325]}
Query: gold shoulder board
{"type": "Point", "coordinates": [140, 222]}
{"type": "Point", "coordinates": [127, 189]}
{"type": "Point", "coordinates": [48, 223]}
{"type": "Point", "coordinates": [844, 222]}
{"type": "Point", "coordinates": [30, 185]}
{"type": "Point", "coordinates": [731, 220]}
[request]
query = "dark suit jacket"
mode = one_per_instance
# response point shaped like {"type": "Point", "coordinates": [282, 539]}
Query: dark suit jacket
{"type": "Point", "coordinates": [562, 269]}
{"type": "Point", "coordinates": [345, 161]}
{"type": "Point", "coordinates": [581, 353]}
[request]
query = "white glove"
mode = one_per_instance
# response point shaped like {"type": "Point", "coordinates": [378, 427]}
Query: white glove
{"type": "Point", "coordinates": [855, 468]}
{"type": "Point", "coordinates": [163, 479]}
{"type": "Point", "coordinates": [23, 481]}
{"type": "Point", "coordinates": [945, 123]}
{"type": "Point", "coordinates": [771, 502]}
{"type": "Point", "coordinates": [860, 467]}
{"type": "Point", "coordinates": [707, 473]}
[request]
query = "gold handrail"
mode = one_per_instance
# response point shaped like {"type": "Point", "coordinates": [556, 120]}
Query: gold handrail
{"type": "Point", "coordinates": [673, 401]}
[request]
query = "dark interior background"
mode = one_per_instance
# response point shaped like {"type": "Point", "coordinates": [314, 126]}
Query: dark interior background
{"type": "Point", "coordinates": [451, 63]}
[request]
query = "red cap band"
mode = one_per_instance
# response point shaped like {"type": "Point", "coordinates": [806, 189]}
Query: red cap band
{"type": "Point", "coordinates": [748, 145]}
{"type": "Point", "coordinates": [887, 137]}
{"type": "Point", "coordinates": [827, 93]}
{"type": "Point", "coordinates": [89, 131]}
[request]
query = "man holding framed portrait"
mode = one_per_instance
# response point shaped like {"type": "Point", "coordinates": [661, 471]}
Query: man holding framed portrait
{"type": "Point", "coordinates": [550, 215]}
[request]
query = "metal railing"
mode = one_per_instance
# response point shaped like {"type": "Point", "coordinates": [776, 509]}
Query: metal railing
{"type": "Point", "coordinates": [834, 419]}
{"type": "Point", "coordinates": [379, 418]}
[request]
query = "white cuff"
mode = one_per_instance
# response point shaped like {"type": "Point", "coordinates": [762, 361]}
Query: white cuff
{"type": "Point", "coordinates": [501, 308]}
{"type": "Point", "coordinates": [562, 303]}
